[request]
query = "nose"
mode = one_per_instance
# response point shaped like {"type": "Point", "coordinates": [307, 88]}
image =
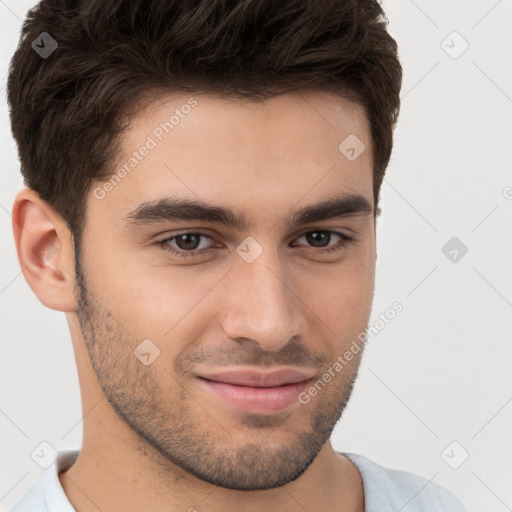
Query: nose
{"type": "Point", "coordinates": [262, 306]}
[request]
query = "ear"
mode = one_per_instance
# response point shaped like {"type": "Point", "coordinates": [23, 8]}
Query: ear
{"type": "Point", "coordinates": [45, 250]}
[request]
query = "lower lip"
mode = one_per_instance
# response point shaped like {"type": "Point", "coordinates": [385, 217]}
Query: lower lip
{"type": "Point", "coordinates": [258, 400]}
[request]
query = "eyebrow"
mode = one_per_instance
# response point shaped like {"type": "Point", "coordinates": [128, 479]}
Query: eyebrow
{"type": "Point", "coordinates": [177, 209]}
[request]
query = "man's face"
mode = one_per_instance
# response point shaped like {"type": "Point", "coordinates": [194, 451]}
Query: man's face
{"type": "Point", "coordinates": [262, 296]}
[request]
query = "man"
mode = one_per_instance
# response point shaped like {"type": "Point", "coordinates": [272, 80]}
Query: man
{"type": "Point", "coordinates": [202, 189]}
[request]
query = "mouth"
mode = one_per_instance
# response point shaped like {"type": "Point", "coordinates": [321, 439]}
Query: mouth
{"type": "Point", "coordinates": [255, 391]}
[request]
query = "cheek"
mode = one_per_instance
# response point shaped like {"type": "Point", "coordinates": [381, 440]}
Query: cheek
{"type": "Point", "coordinates": [142, 275]}
{"type": "Point", "coordinates": [151, 300]}
{"type": "Point", "coordinates": [349, 281]}
{"type": "Point", "coordinates": [345, 310]}
{"type": "Point", "coordinates": [149, 296]}
{"type": "Point", "coordinates": [341, 298]}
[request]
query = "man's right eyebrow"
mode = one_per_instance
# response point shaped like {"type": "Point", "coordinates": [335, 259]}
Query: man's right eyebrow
{"type": "Point", "coordinates": [177, 209]}
{"type": "Point", "coordinates": [180, 209]}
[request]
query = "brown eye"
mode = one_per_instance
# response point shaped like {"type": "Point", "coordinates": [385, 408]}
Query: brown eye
{"type": "Point", "coordinates": [187, 244]}
{"type": "Point", "coordinates": [321, 238]}
{"type": "Point", "coordinates": [318, 238]}
{"type": "Point", "coordinates": [188, 241]}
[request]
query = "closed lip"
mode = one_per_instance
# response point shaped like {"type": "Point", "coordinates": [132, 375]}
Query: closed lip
{"type": "Point", "coordinates": [257, 378]}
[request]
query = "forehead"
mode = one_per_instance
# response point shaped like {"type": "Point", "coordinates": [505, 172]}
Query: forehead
{"type": "Point", "coordinates": [253, 155]}
{"type": "Point", "coordinates": [288, 117]}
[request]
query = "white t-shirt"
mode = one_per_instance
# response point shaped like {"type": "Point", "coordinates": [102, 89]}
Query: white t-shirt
{"type": "Point", "coordinates": [385, 490]}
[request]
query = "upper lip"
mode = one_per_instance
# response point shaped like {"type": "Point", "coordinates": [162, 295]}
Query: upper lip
{"type": "Point", "coordinates": [258, 378]}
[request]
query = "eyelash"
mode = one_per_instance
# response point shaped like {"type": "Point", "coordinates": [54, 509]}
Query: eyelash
{"type": "Point", "coordinates": [201, 252]}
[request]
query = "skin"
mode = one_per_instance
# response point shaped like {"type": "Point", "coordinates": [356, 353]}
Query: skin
{"type": "Point", "coordinates": [154, 438]}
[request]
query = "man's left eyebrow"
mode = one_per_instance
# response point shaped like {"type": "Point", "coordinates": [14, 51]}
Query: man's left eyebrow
{"type": "Point", "coordinates": [334, 208]}
{"type": "Point", "coordinates": [174, 209]}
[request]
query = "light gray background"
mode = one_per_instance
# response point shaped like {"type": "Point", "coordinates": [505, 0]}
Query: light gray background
{"type": "Point", "coordinates": [441, 370]}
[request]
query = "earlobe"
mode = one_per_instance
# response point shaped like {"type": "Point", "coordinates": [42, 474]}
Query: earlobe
{"type": "Point", "coordinates": [45, 251]}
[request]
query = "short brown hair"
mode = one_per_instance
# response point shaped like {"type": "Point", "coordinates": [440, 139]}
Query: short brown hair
{"type": "Point", "coordinates": [68, 110]}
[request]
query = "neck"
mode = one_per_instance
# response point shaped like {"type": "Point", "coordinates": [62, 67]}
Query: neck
{"type": "Point", "coordinates": [115, 473]}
